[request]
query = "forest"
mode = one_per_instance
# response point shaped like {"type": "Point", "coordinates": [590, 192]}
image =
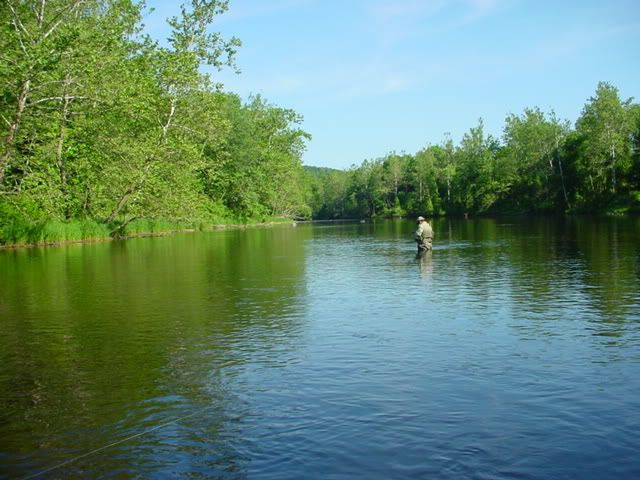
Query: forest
{"type": "Point", "coordinates": [540, 165]}
{"type": "Point", "coordinates": [108, 132]}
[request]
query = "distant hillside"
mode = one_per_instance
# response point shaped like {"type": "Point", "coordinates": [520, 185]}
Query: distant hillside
{"type": "Point", "coordinates": [319, 171]}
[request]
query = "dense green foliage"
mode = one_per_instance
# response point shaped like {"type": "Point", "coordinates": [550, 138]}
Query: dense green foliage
{"type": "Point", "coordinates": [103, 126]}
{"type": "Point", "coordinates": [540, 165]}
{"type": "Point", "coordinates": [104, 131]}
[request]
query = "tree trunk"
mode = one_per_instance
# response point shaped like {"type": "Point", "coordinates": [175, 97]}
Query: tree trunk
{"type": "Point", "coordinates": [167, 125]}
{"type": "Point", "coordinates": [122, 226]}
{"type": "Point", "coordinates": [613, 168]}
{"type": "Point", "coordinates": [564, 188]}
{"type": "Point", "coordinates": [124, 199]}
{"type": "Point", "coordinates": [61, 137]}
{"type": "Point", "coordinates": [86, 205]}
{"type": "Point", "coordinates": [559, 162]}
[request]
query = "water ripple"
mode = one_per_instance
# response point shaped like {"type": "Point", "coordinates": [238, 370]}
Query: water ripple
{"type": "Point", "coordinates": [509, 352]}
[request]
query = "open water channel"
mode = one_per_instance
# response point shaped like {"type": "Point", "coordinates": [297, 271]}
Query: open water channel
{"type": "Point", "coordinates": [327, 351]}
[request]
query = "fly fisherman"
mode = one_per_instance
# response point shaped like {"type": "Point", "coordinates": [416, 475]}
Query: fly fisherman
{"type": "Point", "coordinates": [423, 235]}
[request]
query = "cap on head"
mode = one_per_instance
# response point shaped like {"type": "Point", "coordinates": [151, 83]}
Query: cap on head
{"type": "Point", "coordinates": [420, 219]}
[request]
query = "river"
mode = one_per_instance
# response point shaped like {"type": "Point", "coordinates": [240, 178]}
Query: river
{"type": "Point", "coordinates": [512, 351]}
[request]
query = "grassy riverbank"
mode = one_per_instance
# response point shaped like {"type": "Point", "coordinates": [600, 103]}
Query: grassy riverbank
{"type": "Point", "coordinates": [55, 232]}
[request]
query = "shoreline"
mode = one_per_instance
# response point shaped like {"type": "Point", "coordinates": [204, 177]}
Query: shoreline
{"type": "Point", "coordinates": [163, 233]}
{"type": "Point", "coordinates": [241, 226]}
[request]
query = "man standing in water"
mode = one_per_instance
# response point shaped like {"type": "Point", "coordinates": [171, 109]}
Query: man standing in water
{"type": "Point", "coordinates": [423, 235]}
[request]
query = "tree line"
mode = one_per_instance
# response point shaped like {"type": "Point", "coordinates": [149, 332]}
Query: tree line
{"type": "Point", "coordinates": [541, 164]}
{"type": "Point", "coordinates": [100, 122]}
{"type": "Point", "coordinates": [102, 127]}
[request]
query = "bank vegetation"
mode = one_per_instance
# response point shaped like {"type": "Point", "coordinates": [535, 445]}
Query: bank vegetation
{"type": "Point", "coordinates": [106, 132]}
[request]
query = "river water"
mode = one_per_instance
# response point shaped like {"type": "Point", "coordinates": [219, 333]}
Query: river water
{"type": "Point", "coordinates": [512, 351]}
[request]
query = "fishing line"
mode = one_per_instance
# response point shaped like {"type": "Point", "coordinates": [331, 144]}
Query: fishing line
{"type": "Point", "coordinates": [104, 447]}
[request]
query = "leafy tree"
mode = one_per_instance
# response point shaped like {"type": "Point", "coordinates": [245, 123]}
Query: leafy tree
{"type": "Point", "coordinates": [477, 185]}
{"type": "Point", "coordinates": [606, 128]}
{"type": "Point", "coordinates": [36, 37]}
{"type": "Point", "coordinates": [367, 188]}
{"type": "Point", "coordinates": [99, 121]}
{"type": "Point", "coordinates": [177, 70]}
{"type": "Point", "coordinates": [531, 151]}
{"type": "Point", "coordinates": [634, 174]}
{"type": "Point", "coordinates": [425, 181]}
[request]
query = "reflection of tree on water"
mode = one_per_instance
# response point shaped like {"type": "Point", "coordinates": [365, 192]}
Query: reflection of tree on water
{"type": "Point", "coordinates": [425, 261]}
{"type": "Point", "coordinates": [551, 269]}
{"type": "Point", "coordinates": [109, 340]}
{"type": "Point", "coordinates": [574, 268]}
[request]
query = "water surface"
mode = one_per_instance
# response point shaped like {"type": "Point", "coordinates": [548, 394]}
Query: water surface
{"type": "Point", "coordinates": [327, 351]}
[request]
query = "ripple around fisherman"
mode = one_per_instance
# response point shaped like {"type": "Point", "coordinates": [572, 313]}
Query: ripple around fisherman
{"type": "Point", "coordinates": [423, 235]}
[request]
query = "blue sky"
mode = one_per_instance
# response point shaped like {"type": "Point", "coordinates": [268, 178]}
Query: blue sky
{"type": "Point", "coordinates": [373, 76]}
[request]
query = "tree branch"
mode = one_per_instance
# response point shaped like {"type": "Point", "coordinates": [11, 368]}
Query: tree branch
{"type": "Point", "coordinates": [122, 225]}
{"type": "Point", "coordinates": [41, 13]}
{"type": "Point", "coordinates": [60, 99]}
{"type": "Point", "coordinates": [58, 18]}
{"type": "Point", "coordinates": [17, 22]}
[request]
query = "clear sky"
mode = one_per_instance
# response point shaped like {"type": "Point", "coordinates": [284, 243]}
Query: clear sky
{"type": "Point", "coordinates": [372, 76]}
